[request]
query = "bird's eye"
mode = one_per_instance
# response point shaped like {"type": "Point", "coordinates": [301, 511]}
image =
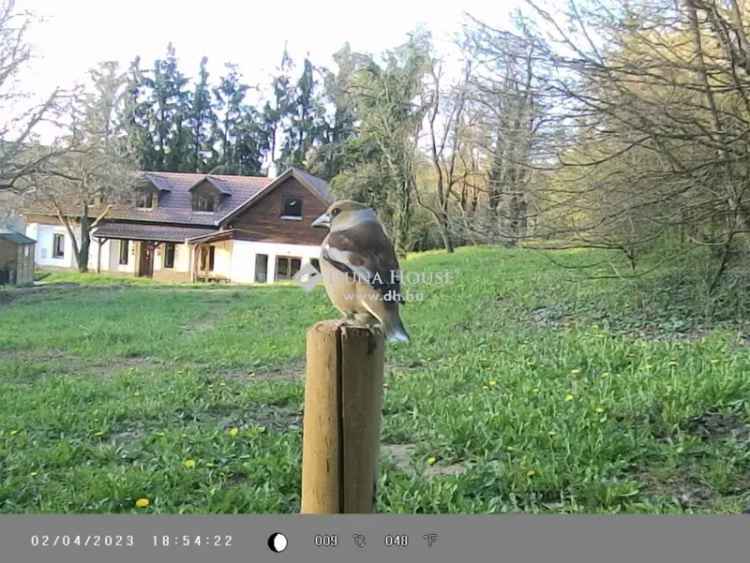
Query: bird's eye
{"type": "Point", "coordinates": [335, 212]}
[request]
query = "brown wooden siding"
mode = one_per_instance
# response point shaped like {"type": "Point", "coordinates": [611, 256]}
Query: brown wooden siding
{"type": "Point", "coordinates": [263, 222]}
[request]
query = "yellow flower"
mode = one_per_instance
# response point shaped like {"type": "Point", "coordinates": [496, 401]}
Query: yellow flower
{"type": "Point", "coordinates": [569, 397]}
{"type": "Point", "coordinates": [189, 463]}
{"type": "Point", "coordinates": [530, 473]}
{"type": "Point", "coordinates": [575, 371]}
{"type": "Point", "coordinates": [142, 503]}
{"type": "Point", "coordinates": [233, 431]}
{"type": "Point", "coordinates": [13, 432]}
{"type": "Point", "coordinates": [431, 461]}
{"type": "Point", "coordinates": [600, 410]}
{"type": "Point", "coordinates": [492, 382]}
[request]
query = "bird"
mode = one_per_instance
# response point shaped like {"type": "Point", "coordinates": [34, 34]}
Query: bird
{"type": "Point", "coordinates": [359, 267]}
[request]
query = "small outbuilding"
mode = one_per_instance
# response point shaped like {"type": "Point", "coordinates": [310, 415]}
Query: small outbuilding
{"type": "Point", "coordinates": [16, 258]}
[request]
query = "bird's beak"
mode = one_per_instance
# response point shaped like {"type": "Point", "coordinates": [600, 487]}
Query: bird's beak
{"type": "Point", "coordinates": [324, 221]}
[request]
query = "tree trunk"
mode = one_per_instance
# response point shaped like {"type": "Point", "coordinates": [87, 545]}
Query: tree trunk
{"type": "Point", "coordinates": [447, 239]}
{"type": "Point", "coordinates": [83, 250]}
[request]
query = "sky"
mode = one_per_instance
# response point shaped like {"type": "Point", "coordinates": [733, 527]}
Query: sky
{"type": "Point", "coordinates": [77, 34]}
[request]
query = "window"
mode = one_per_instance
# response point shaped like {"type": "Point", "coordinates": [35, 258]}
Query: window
{"type": "Point", "coordinates": [169, 255]}
{"type": "Point", "coordinates": [203, 202]}
{"type": "Point", "coordinates": [58, 246]}
{"type": "Point", "coordinates": [144, 199]}
{"type": "Point", "coordinates": [124, 252]}
{"type": "Point", "coordinates": [315, 263]}
{"type": "Point", "coordinates": [286, 267]}
{"type": "Point", "coordinates": [207, 259]}
{"type": "Point", "coordinates": [292, 208]}
{"type": "Point", "coordinates": [27, 250]}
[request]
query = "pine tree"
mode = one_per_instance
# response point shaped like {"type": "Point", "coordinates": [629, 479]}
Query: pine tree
{"type": "Point", "coordinates": [337, 128]}
{"type": "Point", "coordinates": [303, 119]}
{"type": "Point", "coordinates": [171, 102]}
{"type": "Point", "coordinates": [251, 143]}
{"type": "Point", "coordinates": [202, 121]}
{"type": "Point", "coordinates": [138, 116]}
{"type": "Point", "coordinates": [275, 114]}
{"type": "Point", "coordinates": [229, 97]}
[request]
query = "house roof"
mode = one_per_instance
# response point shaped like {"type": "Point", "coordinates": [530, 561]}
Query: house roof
{"type": "Point", "coordinates": [317, 186]}
{"type": "Point", "coordinates": [175, 199]}
{"type": "Point", "coordinates": [160, 233]}
{"type": "Point", "coordinates": [15, 237]}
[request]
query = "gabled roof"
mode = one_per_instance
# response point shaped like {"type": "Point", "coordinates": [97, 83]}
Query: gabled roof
{"type": "Point", "coordinates": [158, 181]}
{"type": "Point", "coordinates": [175, 198]}
{"type": "Point", "coordinates": [224, 185]}
{"type": "Point", "coordinates": [317, 186]}
{"type": "Point", "coordinates": [15, 237]}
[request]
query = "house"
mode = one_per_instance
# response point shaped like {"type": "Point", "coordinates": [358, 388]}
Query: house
{"type": "Point", "coordinates": [195, 227]}
{"type": "Point", "coordinates": [16, 258]}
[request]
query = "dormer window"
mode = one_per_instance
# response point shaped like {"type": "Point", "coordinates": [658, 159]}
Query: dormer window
{"type": "Point", "coordinates": [204, 202]}
{"type": "Point", "coordinates": [292, 208]}
{"type": "Point", "coordinates": [145, 199]}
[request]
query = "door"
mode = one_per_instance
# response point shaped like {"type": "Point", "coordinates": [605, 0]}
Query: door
{"type": "Point", "coordinates": [261, 268]}
{"type": "Point", "coordinates": [146, 268]}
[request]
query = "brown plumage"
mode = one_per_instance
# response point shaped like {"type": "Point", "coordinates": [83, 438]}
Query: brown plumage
{"type": "Point", "coordinates": [359, 266]}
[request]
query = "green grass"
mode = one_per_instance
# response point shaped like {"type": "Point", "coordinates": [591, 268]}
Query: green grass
{"type": "Point", "coordinates": [540, 391]}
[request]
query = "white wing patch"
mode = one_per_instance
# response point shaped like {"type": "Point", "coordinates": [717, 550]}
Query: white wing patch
{"type": "Point", "coordinates": [344, 257]}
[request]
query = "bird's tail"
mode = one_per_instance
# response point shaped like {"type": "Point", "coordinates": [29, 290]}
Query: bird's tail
{"type": "Point", "coordinates": [395, 331]}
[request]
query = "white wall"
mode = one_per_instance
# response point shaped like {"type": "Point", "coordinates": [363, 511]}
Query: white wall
{"type": "Point", "coordinates": [113, 262]}
{"type": "Point", "coordinates": [243, 257]}
{"type": "Point", "coordinates": [234, 259]}
{"type": "Point", "coordinates": [181, 258]}
{"type": "Point", "coordinates": [44, 235]}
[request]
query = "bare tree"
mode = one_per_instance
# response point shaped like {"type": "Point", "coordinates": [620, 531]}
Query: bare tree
{"type": "Point", "coordinates": [20, 155]}
{"type": "Point", "coordinates": [96, 169]}
{"type": "Point", "coordinates": [506, 94]}
{"type": "Point", "coordinates": [445, 128]}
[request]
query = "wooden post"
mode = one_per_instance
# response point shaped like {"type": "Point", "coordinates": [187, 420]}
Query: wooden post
{"type": "Point", "coordinates": [343, 405]}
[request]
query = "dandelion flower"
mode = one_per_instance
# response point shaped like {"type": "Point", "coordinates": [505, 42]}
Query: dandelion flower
{"type": "Point", "coordinates": [142, 503]}
{"type": "Point", "coordinates": [569, 397]}
{"type": "Point", "coordinates": [600, 410]}
{"type": "Point", "coordinates": [530, 473]}
{"type": "Point", "coordinates": [492, 382]}
{"type": "Point", "coordinates": [189, 463]}
{"type": "Point", "coordinates": [233, 431]}
{"type": "Point", "coordinates": [431, 461]}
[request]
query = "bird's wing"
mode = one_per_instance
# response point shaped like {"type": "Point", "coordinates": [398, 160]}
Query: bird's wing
{"type": "Point", "coordinates": [366, 252]}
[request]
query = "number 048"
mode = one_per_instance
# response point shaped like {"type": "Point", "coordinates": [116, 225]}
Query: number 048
{"type": "Point", "coordinates": [396, 540]}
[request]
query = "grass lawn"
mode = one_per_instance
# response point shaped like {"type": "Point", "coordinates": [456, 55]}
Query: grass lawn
{"type": "Point", "coordinates": [524, 390]}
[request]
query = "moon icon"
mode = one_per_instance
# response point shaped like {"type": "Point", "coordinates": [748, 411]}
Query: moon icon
{"type": "Point", "coordinates": [277, 542]}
